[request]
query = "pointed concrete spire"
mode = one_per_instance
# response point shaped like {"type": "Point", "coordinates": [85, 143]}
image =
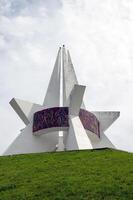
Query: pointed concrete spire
{"type": "Point", "coordinates": [69, 77]}
{"type": "Point", "coordinates": [64, 66]}
{"type": "Point", "coordinates": [52, 97]}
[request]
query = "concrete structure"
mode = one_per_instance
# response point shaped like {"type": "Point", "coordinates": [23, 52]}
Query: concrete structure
{"type": "Point", "coordinates": [62, 121]}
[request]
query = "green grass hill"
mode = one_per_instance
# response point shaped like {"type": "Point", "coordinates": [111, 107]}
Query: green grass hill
{"type": "Point", "coordinates": [76, 175]}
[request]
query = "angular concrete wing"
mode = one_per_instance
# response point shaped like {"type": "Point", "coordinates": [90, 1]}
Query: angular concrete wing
{"type": "Point", "coordinates": [24, 109]}
{"type": "Point", "coordinates": [77, 137]}
{"type": "Point", "coordinates": [106, 118]}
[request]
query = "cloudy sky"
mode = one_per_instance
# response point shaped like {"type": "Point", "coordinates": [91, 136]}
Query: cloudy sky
{"type": "Point", "coordinates": [99, 35]}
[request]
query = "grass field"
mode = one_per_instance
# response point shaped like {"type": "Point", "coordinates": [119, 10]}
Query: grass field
{"type": "Point", "coordinates": [77, 175]}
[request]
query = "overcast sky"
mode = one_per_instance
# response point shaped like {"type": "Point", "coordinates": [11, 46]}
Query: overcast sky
{"type": "Point", "coordinates": [99, 35]}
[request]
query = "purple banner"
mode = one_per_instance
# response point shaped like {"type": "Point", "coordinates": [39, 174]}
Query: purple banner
{"type": "Point", "coordinates": [51, 117]}
{"type": "Point", "coordinates": [89, 121]}
{"type": "Point", "coordinates": [58, 117]}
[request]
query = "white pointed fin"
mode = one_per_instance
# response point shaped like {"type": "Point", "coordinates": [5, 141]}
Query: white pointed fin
{"type": "Point", "coordinates": [52, 97]}
{"type": "Point", "coordinates": [77, 137]}
{"type": "Point", "coordinates": [69, 77]}
{"type": "Point", "coordinates": [24, 109]}
{"type": "Point", "coordinates": [106, 118]}
{"type": "Point", "coordinates": [76, 98]}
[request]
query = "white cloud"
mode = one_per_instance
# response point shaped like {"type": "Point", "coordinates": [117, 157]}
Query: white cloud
{"type": "Point", "coordinates": [99, 36]}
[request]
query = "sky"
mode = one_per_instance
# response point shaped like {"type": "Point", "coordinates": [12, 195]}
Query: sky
{"type": "Point", "coordinates": [99, 35]}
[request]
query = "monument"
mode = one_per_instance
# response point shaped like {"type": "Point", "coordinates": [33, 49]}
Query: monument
{"type": "Point", "coordinates": [62, 122]}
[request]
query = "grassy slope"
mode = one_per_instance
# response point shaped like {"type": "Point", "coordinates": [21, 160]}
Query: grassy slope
{"type": "Point", "coordinates": [77, 175]}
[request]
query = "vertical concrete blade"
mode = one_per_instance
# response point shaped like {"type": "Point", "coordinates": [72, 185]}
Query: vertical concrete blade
{"type": "Point", "coordinates": [52, 97]}
{"type": "Point", "coordinates": [69, 77]}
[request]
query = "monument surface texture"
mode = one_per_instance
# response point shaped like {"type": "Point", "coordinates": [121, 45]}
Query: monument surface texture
{"type": "Point", "coordinates": [62, 121]}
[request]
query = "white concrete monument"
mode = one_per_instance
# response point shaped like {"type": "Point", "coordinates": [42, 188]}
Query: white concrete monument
{"type": "Point", "coordinates": [62, 121]}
